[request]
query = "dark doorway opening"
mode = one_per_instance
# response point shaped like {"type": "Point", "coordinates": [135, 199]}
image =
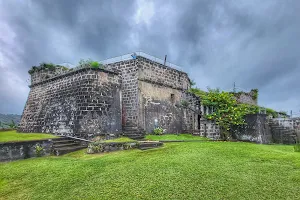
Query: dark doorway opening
{"type": "Point", "coordinates": [199, 117]}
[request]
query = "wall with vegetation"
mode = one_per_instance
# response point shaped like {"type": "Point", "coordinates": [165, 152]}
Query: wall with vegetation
{"type": "Point", "coordinates": [26, 149]}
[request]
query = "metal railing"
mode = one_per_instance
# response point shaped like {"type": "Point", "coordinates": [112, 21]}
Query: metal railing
{"type": "Point", "coordinates": [129, 56]}
{"type": "Point", "coordinates": [125, 57]}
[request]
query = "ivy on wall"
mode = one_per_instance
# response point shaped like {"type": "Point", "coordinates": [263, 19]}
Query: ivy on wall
{"type": "Point", "coordinates": [227, 111]}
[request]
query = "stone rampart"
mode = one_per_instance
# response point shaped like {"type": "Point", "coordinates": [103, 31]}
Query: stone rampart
{"type": "Point", "coordinates": [82, 103]}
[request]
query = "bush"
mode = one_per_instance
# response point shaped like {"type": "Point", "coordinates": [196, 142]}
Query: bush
{"type": "Point", "coordinates": [90, 63]}
{"type": "Point", "coordinates": [39, 150]}
{"type": "Point", "coordinates": [94, 64]}
{"type": "Point", "coordinates": [297, 147]}
{"type": "Point", "coordinates": [158, 131]}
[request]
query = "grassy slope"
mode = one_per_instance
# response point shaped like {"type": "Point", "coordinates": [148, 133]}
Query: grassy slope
{"type": "Point", "coordinates": [217, 170]}
{"type": "Point", "coordinates": [9, 136]}
{"type": "Point", "coordinates": [175, 137]}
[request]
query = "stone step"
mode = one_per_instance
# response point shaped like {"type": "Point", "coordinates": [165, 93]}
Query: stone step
{"type": "Point", "coordinates": [59, 145]}
{"type": "Point", "coordinates": [148, 145]}
{"type": "Point", "coordinates": [130, 128]}
{"type": "Point", "coordinates": [131, 131]}
{"type": "Point", "coordinates": [63, 150]}
{"type": "Point", "coordinates": [63, 141]}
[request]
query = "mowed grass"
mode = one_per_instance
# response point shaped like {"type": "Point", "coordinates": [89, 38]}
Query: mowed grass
{"type": "Point", "coordinates": [13, 136]}
{"type": "Point", "coordinates": [120, 139]}
{"type": "Point", "coordinates": [192, 170]}
{"type": "Point", "coordinates": [175, 137]}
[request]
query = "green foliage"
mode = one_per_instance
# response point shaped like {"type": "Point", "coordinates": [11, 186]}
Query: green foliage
{"type": "Point", "coordinates": [96, 147]}
{"type": "Point", "coordinates": [254, 94]}
{"type": "Point", "coordinates": [39, 150]}
{"type": "Point", "coordinates": [158, 131]}
{"type": "Point", "coordinates": [12, 124]}
{"type": "Point", "coordinates": [197, 91]}
{"type": "Point", "coordinates": [94, 64]}
{"type": "Point", "coordinates": [227, 111]}
{"type": "Point", "coordinates": [46, 66]}
{"type": "Point", "coordinates": [271, 112]}
{"type": "Point", "coordinates": [297, 147]}
{"type": "Point", "coordinates": [184, 103]}
{"type": "Point", "coordinates": [284, 113]}
{"type": "Point", "coordinates": [90, 63]}
{"type": "Point", "coordinates": [193, 83]}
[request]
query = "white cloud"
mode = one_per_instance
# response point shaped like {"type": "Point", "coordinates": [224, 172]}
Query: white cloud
{"type": "Point", "coordinates": [145, 12]}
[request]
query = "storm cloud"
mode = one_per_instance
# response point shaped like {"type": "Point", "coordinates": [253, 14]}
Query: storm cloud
{"type": "Point", "coordinates": [252, 43]}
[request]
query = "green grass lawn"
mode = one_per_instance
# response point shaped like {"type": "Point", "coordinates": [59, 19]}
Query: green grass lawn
{"type": "Point", "coordinates": [120, 139]}
{"type": "Point", "coordinates": [175, 137]}
{"type": "Point", "coordinates": [193, 170]}
{"type": "Point", "coordinates": [13, 136]}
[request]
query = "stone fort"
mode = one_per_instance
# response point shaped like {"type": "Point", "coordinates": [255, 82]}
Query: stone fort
{"type": "Point", "coordinates": [129, 97]}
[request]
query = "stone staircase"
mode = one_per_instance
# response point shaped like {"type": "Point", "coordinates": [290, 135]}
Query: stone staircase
{"type": "Point", "coordinates": [66, 145]}
{"type": "Point", "coordinates": [133, 132]}
{"type": "Point", "coordinates": [145, 145]}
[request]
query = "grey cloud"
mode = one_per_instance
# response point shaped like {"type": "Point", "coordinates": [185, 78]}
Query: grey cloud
{"type": "Point", "coordinates": [252, 43]}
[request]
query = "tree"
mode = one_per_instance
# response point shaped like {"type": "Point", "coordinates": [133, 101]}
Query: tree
{"type": "Point", "coordinates": [228, 113]}
{"type": "Point", "coordinates": [12, 124]}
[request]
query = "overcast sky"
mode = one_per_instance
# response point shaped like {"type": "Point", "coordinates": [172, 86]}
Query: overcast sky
{"type": "Point", "coordinates": [254, 43]}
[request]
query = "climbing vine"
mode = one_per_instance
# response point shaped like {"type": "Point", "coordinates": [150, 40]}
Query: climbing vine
{"type": "Point", "coordinates": [227, 113]}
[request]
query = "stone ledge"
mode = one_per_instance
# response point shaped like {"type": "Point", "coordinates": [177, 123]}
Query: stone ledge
{"type": "Point", "coordinates": [71, 73]}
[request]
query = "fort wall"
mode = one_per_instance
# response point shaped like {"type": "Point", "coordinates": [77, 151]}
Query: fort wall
{"type": "Point", "coordinates": [82, 103]}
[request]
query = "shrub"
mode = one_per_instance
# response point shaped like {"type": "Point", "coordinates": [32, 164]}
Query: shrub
{"type": "Point", "coordinates": [95, 147]}
{"type": "Point", "coordinates": [184, 103]}
{"type": "Point", "coordinates": [39, 150]}
{"type": "Point", "coordinates": [91, 63]}
{"type": "Point", "coordinates": [46, 66]}
{"type": "Point", "coordinates": [94, 64]}
{"type": "Point", "coordinates": [297, 147]}
{"type": "Point", "coordinates": [158, 131]}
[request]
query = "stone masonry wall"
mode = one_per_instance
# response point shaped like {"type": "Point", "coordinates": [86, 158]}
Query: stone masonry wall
{"type": "Point", "coordinates": [152, 72]}
{"type": "Point", "coordinates": [25, 149]}
{"type": "Point", "coordinates": [156, 109]}
{"type": "Point", "coordinates": [43, 75]}
{"type": "Point", "coordinates": [246, 97]}
{"type": "Point", "coordinates": [161, 90]}
{"type": "Point", "coordinates": [82, 103]}
{"type": "Point", "coordinates": [128, 70]}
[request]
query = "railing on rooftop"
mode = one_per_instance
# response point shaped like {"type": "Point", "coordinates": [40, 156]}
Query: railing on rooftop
{"type": "Point", "coordinates": [125, 57]}
{"type": "Point", "coordinates": [130, 56]}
